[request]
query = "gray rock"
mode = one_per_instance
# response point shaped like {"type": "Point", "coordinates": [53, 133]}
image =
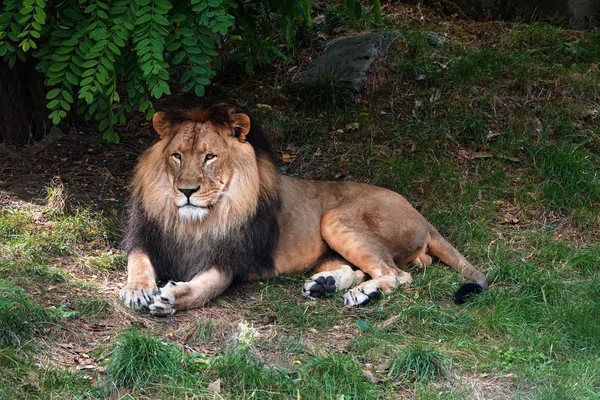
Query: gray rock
{"type": "Point", "coordinates": [436, 38]}
{"type": "Point", "coordinates": [349, 60]}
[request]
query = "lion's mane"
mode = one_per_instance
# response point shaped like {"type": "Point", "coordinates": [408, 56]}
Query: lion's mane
{"type": "Point", "coordinates": [179, 252]}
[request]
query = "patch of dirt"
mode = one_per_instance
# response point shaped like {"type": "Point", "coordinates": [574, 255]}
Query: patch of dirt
{"type": "Point", "coordinates": [91, 169]}
{"type": "Point", "coordinates": [482, 386]}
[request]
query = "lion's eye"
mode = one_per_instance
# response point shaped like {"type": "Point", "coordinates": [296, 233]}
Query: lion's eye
{"type": "Point", "coordinates": [209, 156]}
{"type": "Point", "coordinates": [176, 155]}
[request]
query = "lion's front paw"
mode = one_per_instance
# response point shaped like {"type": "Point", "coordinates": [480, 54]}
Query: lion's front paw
{"type": "Point", "coordinates": [359, 297]}
{"type": "Point", "coordinates": [137, 299]}
{"type": "Point", "coordinates": [162, 305]}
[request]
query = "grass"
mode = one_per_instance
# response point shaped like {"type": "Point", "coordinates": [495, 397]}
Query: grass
{"type": "Point", "coordinates": [325, 93]}
{"type": "Point", "coordinates": [20, 317]}
{"type": "Point", "coordinates": [490, 136]}
{"type": "Point", "coordinates": [138, 359]}
{"type": "Point", "coordinates": [418, 363]}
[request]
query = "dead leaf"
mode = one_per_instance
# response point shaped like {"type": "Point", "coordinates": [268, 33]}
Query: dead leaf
{"type": "Point", "coordinates": [88, 366]}
{"type": "Point", "coordinates": [590, 114]}
{"type": "Point", "coordinates": [490, 135]}
{"type": "Point", "coordinates": [353, 126]}
{"type": "Point", "coordinates": [388, 322]}
{"type": "Point", "coordinates": [435, 96]}
{"type": "Point", "coordinates": [481, 154]}
{"type": "Point", "coordinates": [215, 386]}
{"type": "Point", "coordinates": [264, 106]}
{"type": "Point", "coordinates": [383, 367]}
{"type": "Point", "coordinates": [508, 218]}
{"type": "Point", "coordinates": [286, 158]}
{"type": "Point", "coordinates": [369, 375]}
{"type": "Point", "coordinates": [463, 155]}
{"type": "Point", "coordinates": [513, 159]}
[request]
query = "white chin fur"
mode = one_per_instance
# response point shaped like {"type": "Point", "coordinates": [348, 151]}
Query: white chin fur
{"type": "Point", "coordinates": [192, 213]}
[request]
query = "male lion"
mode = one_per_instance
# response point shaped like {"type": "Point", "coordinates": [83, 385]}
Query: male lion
{"type": "Point", "coordinates": [209, 207]}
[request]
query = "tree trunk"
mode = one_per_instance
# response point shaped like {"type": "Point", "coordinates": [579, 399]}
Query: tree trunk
{"type": "Point", "coordinates": [23, 112]}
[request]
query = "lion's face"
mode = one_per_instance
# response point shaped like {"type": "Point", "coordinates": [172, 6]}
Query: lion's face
{"type": "Point", "coordinates": [200, 161]}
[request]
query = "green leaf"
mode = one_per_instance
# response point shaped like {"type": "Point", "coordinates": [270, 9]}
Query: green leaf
{"type": "Point", "coordinates": [60, 57]}
{"type": "Point", "coordinates": [179, 57]}
{"type": "Point", "coordinates": [104, 124]}
{"type": "Point", "coordinates": [72, 79]}
{"type": "Point", "coordinates": [67, 96]}
{"type": "Point", "coordinates": [159, 19]}
{"type": "Point", "coordinates": [53, 104]}
{"type": "Point", "coordinates": [363, 325]}
{"type": "Point", "coordinates": [65, 106]}
{"type": "Point", "coordinates": [111, 136]}
{"type": "Point", "coordinates": [143, 19]}
{"type": "Point", "coordinates": [174, 46]}
{"type": "Point", "coordinates": [55, 117]}
{"type": "Point", "coordinates": [57, 66]}
{"type": "Point", "coordinates": [89, 64]}
{"type": "Point", "coordinates": [114, 48]}
{"type": "Point", "coordinates": [86, 81]}
{"type": "Point", "coordinates": [52, 94]}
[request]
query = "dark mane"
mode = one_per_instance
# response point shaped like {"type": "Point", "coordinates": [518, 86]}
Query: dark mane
{"type": "Point", "coordinates": [247, 251]}
{"type": "Point", "coordinates": [215, 106]}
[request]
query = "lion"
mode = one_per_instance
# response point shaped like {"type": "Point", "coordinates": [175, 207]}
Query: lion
{"type": "Point", "coordinates": [209, 207]}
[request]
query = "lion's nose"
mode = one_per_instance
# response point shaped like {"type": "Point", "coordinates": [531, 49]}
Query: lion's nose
{"type": "Point", "coordinates": [188, 192]}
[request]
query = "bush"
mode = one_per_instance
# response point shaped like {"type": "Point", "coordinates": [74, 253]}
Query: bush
{"type": "Point", "coordinates": [104, 58]}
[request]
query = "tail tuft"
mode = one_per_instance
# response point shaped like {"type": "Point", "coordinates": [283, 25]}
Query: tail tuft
{"type": "Point", "coordinates": [467, 290]}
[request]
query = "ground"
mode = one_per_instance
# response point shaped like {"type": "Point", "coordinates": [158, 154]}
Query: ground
{"type": "Point", "coordinates": [489, 129]}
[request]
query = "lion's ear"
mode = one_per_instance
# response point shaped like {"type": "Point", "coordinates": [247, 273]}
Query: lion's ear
{"type": "Point", "coordinates": [241, 125]}
{"type": "Point", "coordinates": [162, 126]}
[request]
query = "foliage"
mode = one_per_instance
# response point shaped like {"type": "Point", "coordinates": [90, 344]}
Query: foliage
{"type": "Point", "coordinates": [105, 58]}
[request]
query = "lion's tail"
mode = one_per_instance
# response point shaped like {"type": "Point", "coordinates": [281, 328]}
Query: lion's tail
{"type": "Point", "coordinates": [440, 248]}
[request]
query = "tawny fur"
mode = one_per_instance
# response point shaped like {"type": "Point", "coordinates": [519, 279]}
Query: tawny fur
{"type": "Point", "coordinates": [370, 228]}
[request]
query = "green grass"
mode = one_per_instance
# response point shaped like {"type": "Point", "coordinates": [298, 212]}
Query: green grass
{"type": "Point", "coordinates": [95, 309]}
{"type": "Point", "coordinates": [325, 93]}
{"type": "Point", "coordinates": [418, 363]}
{"type": "Point", "coordinates": [138, 359]}
{"type": "Point", "coordinates": [571, 175]}
{"type": "Point", "coordinates": [20, 317]}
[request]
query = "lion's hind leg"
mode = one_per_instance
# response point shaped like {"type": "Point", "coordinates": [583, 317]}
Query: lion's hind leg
{"type": "Point", "coordinates": [331, 277]}
{"type": "Point", "coordinates": [352, 240]}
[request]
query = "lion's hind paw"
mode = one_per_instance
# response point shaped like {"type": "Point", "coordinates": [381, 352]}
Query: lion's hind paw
{"type": "Point", "coordinates": [317, 287]}
{"type": "Point", "coordinates": [359, 297]}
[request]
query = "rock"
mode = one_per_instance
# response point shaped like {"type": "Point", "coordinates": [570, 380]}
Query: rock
{"type": "Point", "coordinates": [349, 60]}
{"type": "Point", "coordinates": [435, 38]}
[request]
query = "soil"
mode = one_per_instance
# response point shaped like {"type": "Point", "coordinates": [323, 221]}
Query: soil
{"type": "Point", "coordinates": [93, 171]}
